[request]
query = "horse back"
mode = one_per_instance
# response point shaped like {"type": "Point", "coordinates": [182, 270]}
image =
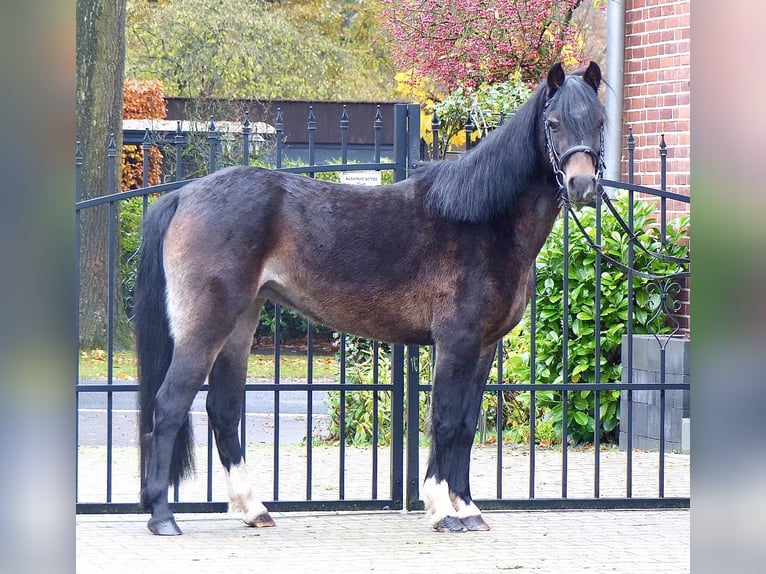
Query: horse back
{"type": "Point", "coordinates": [372, 261]}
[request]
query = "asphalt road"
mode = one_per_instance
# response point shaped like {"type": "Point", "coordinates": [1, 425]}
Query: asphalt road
{"type": "Point", "coordinates": [260, 405]}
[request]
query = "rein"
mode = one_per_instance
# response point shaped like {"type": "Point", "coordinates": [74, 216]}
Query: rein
{"type": "Point", "coordinates": [632, 238]}
{"type": "Point", "coordinates": [558, 161]}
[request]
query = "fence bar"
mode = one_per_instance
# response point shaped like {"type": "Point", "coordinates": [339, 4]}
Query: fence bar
{"type": "Point", "coordinates": [377, 127]}
{"type": "Point", "coordinates": [375, 406]}
{"type": "Point", "coordinates": [499, 423]}
{"type": "Point", "coordinates": [209, 461]}
{"type": "Point", "coordinates": [631, 311]}
{"type": "Point", "coordinates": [178, 141]}
{"type": "Point", "coordinates": [663, 187]}
{"type": "Point", "coordinates": [277, 383]}
{"type": "Point", "coordinates": [435, 125]}
{"type": "Point", "coordinates": [565, 361]}
{"type": "Point", "coordinates": [344, 123]}
{"type": "Point", "coordinates": [246, 139]}
{"type": "Point", "coordinates": [212, 140]}
{"type": "Point", "coordinates": [146, 147]}
{"type": "Point", "coordinates": [661, 476]}
{"type": "Point", "coordinates": [469, 129]}
{"type": "Point", "coordinates": [397, 425]}
{"type": "Point", "coordinates": [312, 128]}
{"type": "Point", "coordinates": [342, 438]}
{"type": "Point", "coordinates": [400, 142]}
{"type": "Point", "coordinates": [597, 374]}
{"type": "Point", "coordinates": [413, 424]}
{"type": "Point", "coordinates": [111, 282]}
{"type": "Point", "coordinates": [413, 140]}
{"type": "Point", "coordinates": [309, 404]}
{"type": "Point", "coordinates": [279, 127]}
{"type": "Point", "coordinates": [532, 382]}
{"type": "Point", "coordinates": [78, 196]}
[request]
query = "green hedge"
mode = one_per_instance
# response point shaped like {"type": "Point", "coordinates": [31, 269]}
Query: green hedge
{"type": "Point", "coordinates": [648, 318]}
{"type": "Point", "coordinates": [549, 336]}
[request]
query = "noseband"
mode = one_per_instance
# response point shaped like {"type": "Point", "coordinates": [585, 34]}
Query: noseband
{"type": "Point", "coordinates": [559, 160]}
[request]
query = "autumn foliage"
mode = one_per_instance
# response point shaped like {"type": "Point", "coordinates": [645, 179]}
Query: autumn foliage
{"type": "Point", "coordinates": [464, 43]}
{"type": "Point", "coordinates": [143, 99]}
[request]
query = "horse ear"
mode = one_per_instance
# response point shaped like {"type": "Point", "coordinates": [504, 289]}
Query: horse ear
{"type": "Point", "coordinates": [593, 75]}
{"type": "Point", "coordinates": [556, 78]}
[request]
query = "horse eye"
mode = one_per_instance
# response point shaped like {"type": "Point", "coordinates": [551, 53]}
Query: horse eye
{"type": "Point", "coordinates": [553, 123]}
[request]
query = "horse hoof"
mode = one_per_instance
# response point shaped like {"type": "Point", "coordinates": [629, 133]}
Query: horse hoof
{"type": "Point", "coordinates": [262, 521]}
{"type": "Point", "coordinates": [450, 524]}
{"type": "Point", "coordinates": [475, 523]}
{"type": "Point", "coordinates": [164, 527]}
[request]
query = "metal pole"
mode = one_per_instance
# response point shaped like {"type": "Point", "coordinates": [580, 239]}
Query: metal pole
{"type": "Point", "coordinates": [615, 69]}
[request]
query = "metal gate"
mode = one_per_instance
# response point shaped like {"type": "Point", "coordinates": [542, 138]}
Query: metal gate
{"type": "Point", "coordinates": [285, 419]}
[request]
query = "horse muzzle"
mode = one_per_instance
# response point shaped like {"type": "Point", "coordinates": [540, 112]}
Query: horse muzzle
{"type": "Point", "coordinates": [581, 189]}
{"type": "Point", "coordinates": [580, 175]}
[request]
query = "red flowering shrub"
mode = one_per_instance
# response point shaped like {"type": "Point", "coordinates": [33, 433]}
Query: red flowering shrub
{"type": "Point", "coordinates": [463, 43]}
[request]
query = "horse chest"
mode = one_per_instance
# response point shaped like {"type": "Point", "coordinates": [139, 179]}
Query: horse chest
{"type": "Point", "coordinates": [505, 303]}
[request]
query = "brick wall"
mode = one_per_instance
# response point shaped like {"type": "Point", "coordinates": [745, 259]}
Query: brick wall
{"type": "Point", "coordinates": [657, 90]}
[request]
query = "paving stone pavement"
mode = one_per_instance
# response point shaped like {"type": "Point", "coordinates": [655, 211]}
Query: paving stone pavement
{"type": "Point", "coordinates": [625, 541]}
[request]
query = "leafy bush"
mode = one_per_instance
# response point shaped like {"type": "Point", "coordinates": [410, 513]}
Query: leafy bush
{"type": "Point", "coordinates": [484, 105]}
{"type": "Point", "coordinates": [359, 405]}
{"type": "Point", "coordinates": [548, 414]}
{"type": "Point", "coordinates": [581, 364]}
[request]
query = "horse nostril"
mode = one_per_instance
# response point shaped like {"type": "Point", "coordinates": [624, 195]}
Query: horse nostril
{"type": "Point", "coordinates": [582, 188]}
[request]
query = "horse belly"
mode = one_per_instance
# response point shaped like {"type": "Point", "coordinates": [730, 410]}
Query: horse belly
{"type": "Point", "coordinates": [363, 310]}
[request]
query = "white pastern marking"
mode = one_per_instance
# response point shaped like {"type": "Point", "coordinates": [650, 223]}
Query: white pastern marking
{"type": "Point", "coordinates": [436, 497]}
{"type": "Point", "coordinates": [464, 510]}
{"type": "Point", "coordinates": [241, 493]}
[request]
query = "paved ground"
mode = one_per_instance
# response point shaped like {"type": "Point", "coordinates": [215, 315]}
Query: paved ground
{"type": "Point", "coordinates": [630, 542]}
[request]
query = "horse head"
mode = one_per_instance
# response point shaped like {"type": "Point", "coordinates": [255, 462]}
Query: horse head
{"type": "Point", "coordinates": [574, 131]}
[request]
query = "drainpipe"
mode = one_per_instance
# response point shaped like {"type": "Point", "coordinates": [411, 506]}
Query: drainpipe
{"type": "Point", "coordinates": [615, 68]}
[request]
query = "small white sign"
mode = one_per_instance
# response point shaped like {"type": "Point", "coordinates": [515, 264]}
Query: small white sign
{"type": "Point", "coordinates": [363, 177]}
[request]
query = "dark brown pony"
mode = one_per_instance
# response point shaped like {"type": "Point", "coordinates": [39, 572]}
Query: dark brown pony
{"type": "Point", "coordinates": [443, 258]}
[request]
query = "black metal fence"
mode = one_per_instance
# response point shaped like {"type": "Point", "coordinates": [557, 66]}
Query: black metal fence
{"type": "Point", "coordinates": [305, 474]}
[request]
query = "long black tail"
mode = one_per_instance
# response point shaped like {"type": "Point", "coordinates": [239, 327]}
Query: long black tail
{"type": "Point", "coordinates": [154, 345]}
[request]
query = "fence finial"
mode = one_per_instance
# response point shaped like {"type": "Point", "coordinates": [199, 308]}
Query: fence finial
{"type": "Point", "coordinates": [344, 121]}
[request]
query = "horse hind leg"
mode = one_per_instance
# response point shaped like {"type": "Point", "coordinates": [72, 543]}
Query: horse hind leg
{"type": "Point", "coordinates": [459, 382]}
{"type": "Point", "coordinates": [187, 372]}
{"type": "Point", "coordinates": [224, 406]}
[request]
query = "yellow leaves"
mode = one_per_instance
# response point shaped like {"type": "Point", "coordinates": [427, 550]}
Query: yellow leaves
{"type": "Point", "coordinates": [418, 89]}
{"type": "Point", "coordinates": [569, 53]}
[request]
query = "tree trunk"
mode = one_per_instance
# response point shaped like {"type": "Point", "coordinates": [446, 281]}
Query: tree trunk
{"type": "Point", "coordinates": [100, 67]}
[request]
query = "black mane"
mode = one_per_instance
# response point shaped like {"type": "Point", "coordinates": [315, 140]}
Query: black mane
{"type": "Point", "coordinates": [484, 183]}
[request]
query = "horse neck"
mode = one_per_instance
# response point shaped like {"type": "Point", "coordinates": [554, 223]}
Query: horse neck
{"type": "Point", "coordinates": [532, 218]}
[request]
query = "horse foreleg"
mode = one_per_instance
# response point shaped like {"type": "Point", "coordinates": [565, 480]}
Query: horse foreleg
{"type": "Point", "coordinates": [224, 406]}
{"type": "Point", "coordinates": [458, 386]}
